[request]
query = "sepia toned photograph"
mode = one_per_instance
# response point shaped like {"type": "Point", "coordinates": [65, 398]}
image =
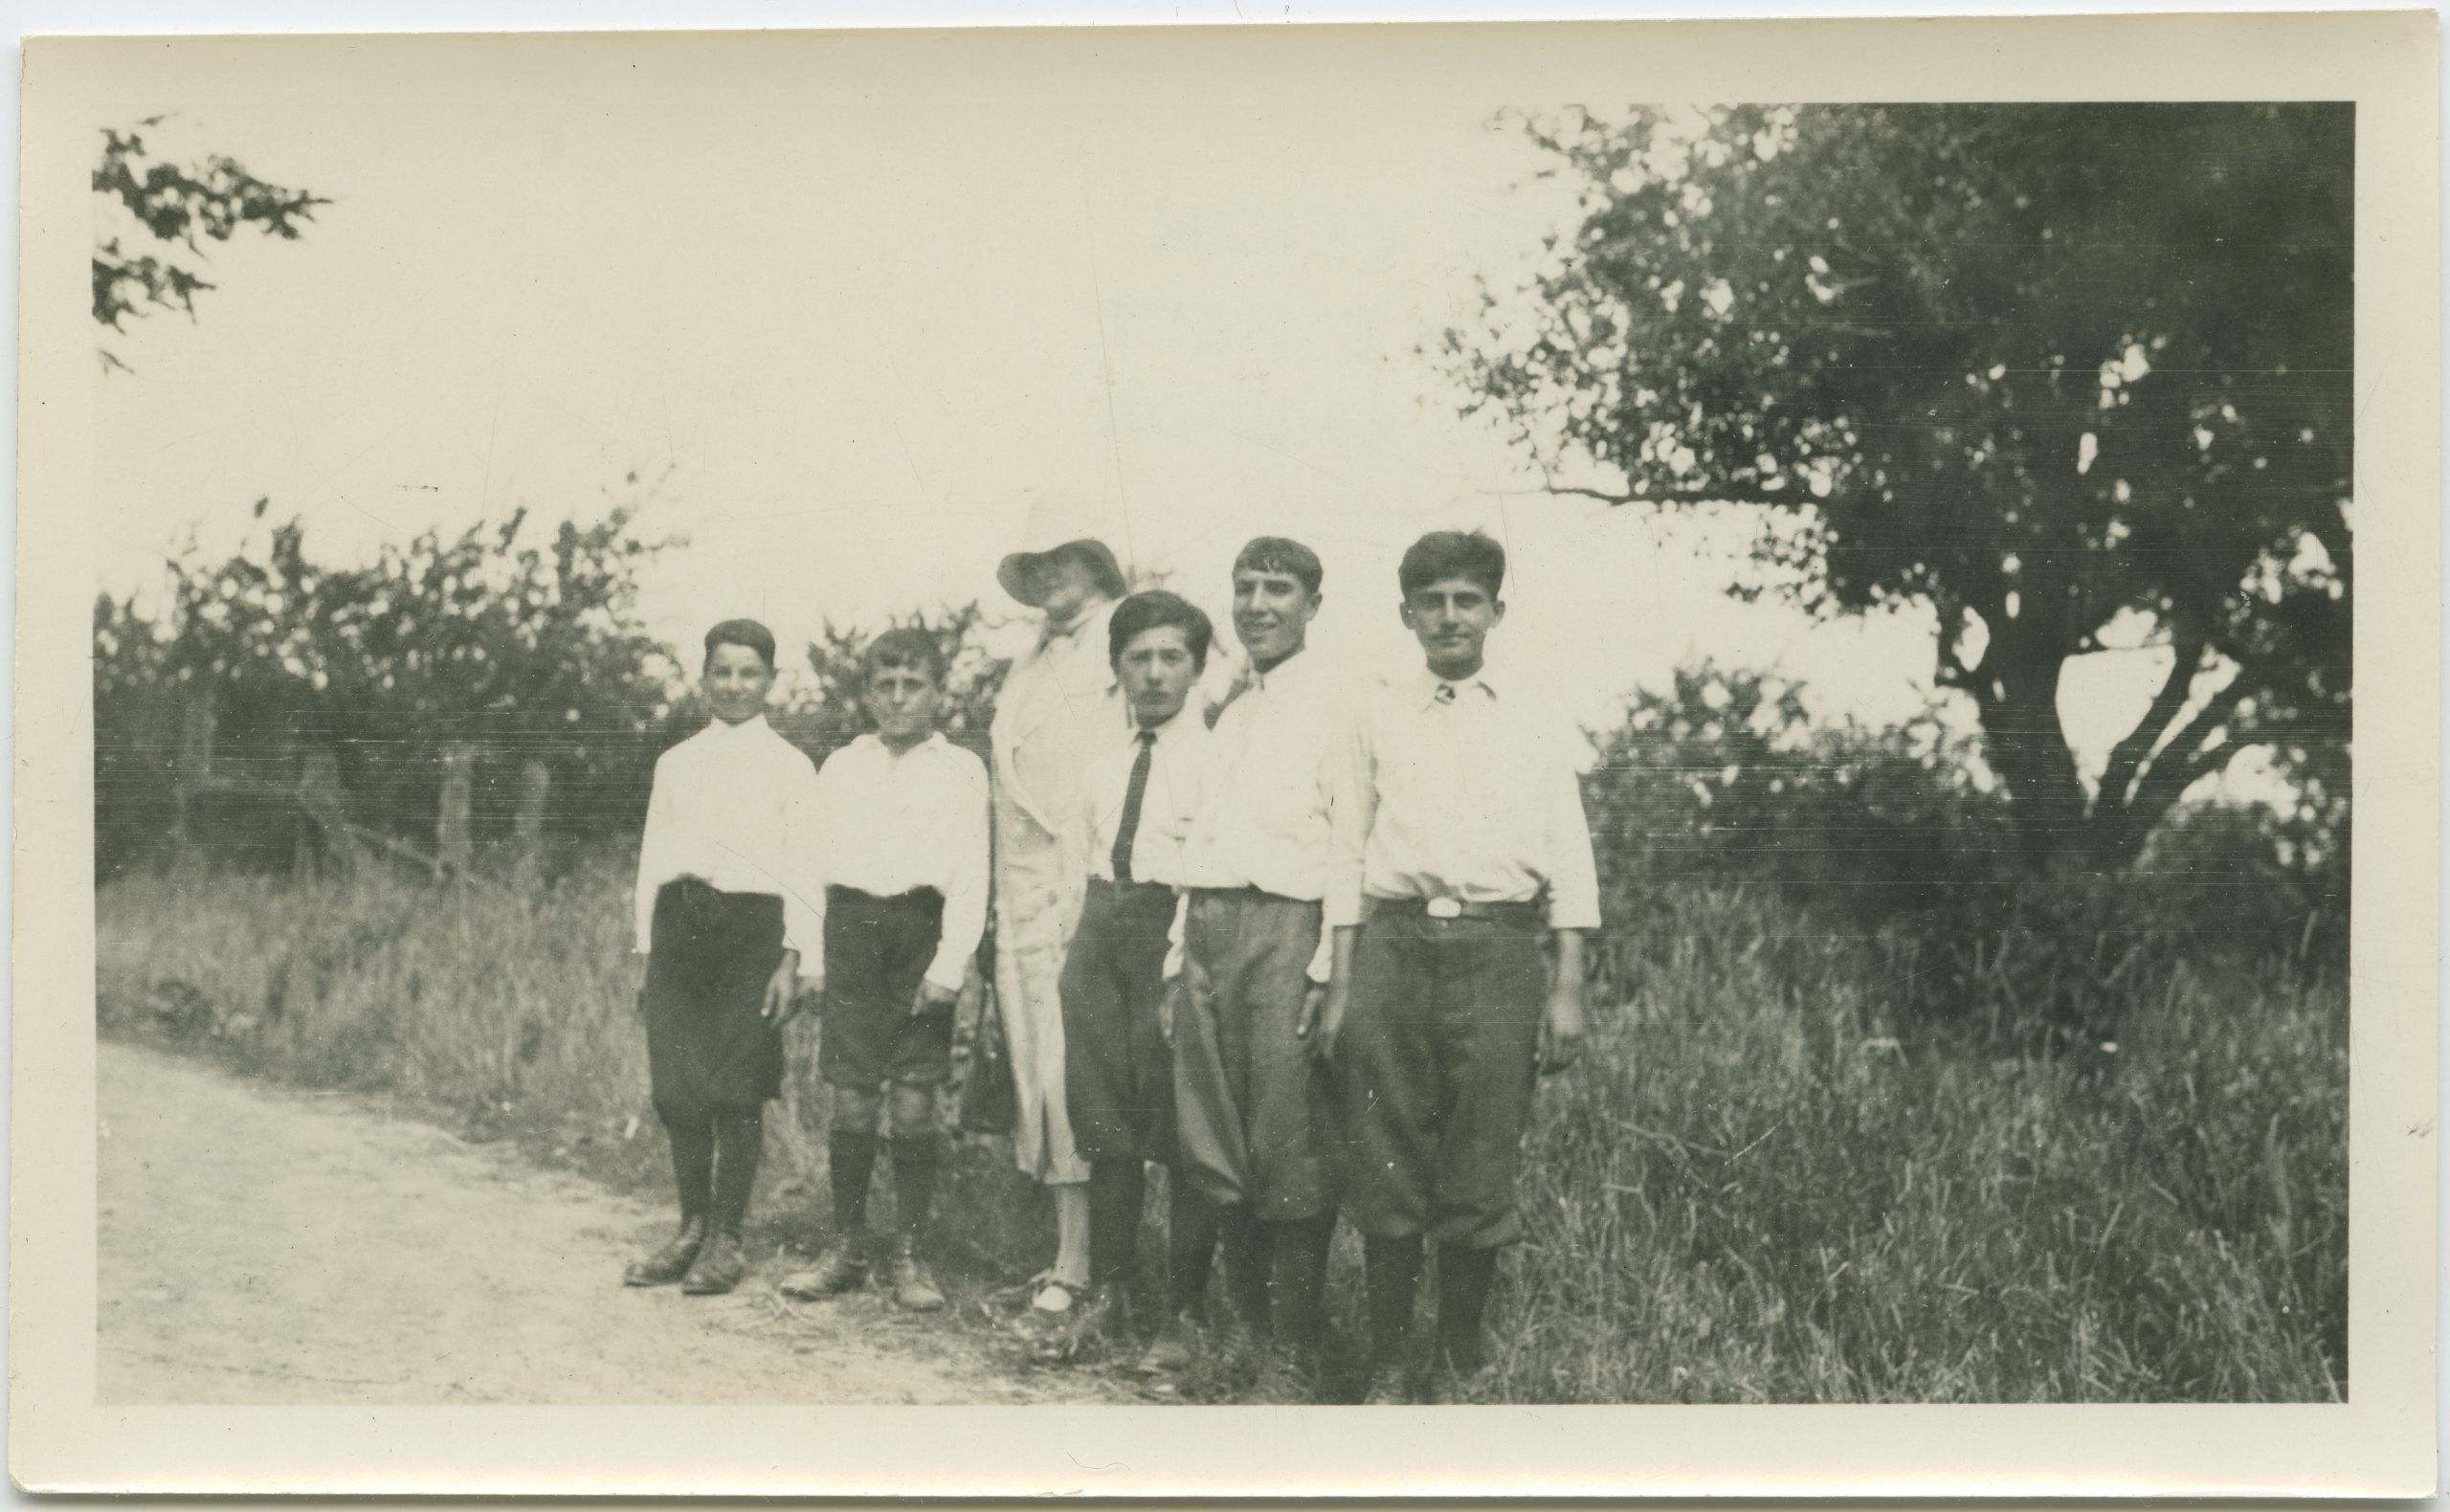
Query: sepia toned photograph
{"type": "Point", "coordinates": [868, 720]}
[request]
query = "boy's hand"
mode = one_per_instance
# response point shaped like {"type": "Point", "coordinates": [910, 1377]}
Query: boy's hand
{"type": "Point", "coordinates": [783, 991]}
{"type": "Point", "coordinates": [931, 996]}
{"type": "Point", "coordinates": [1322, 1020]}
{"type": "Point", "coordinates": [1561, 1028]}
{"type": "Point", "coordinates": [1322, 1006]}
{"type": "Point", "coordinates": [1314, 1002]}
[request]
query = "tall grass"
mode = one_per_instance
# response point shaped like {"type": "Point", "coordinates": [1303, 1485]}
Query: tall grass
{"type": "Point", "coordinates": [1766, 1182]}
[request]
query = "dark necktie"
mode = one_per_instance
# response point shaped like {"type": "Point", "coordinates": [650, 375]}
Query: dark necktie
{"type": "Point", "coordinates": [1446, 693]}
{"type": "Point", "coordinates": [1130, 829]}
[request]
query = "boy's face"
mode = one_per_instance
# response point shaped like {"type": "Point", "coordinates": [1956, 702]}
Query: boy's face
{"type": "Point", "coordinates": [1451, 619]}
{"type": "Point", "coordinates": [904, 702]}
{"type": "Point", "coordinates": [736, 680]}
{"type": "Point", "coordinates": [1272, 613]}
{"type": "Point", "coordinates": [1157, 670]}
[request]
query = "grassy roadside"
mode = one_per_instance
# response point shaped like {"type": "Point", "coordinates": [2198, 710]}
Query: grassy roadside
{"type": "Point", "coordinates": [1763, 1185]}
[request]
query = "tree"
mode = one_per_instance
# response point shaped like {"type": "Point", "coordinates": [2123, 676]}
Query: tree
{"type": "Point", "coordinates": [2073, 376]}
{"type": "Point", "coordinates": [174, 204]}
{"type": "Point", "coordinates": [520, 650]}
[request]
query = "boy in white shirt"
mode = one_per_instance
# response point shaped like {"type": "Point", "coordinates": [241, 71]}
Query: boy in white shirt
{"type": "Point", "coordinates": [1138, 797]}
{"type": "Point", "coordinates": [901, 829]}
{"type": "Point", "coordinates": [726, 910]}
{"type": "Point", "coordinates": [1253, 1107]}
{"type": "Point", "coordinates": [1461, 851]}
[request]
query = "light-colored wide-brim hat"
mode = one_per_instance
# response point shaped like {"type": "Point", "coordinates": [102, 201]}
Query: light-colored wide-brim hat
{"type": "Point", "coordinates": [1055, 521]}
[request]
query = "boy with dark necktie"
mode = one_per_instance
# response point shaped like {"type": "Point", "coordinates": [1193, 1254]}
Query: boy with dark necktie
{"type": "Point", "coordinates": [1138, 797]}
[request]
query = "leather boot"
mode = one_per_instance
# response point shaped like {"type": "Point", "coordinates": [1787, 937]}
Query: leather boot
{"type": "Point", "coordinates": [838, 1269]}
{"type": "Point", "coordinates": [671, 1262]}
{"type": "Point", "coordinates": [719, 1267]}
{"type": "Point", "coordinates": [914, 1286]}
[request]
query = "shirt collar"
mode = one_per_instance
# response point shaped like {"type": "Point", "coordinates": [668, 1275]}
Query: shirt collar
{"type": "Point", "coordinates": [1172, 731]}
{"type": "Point", "coordinates": [1429, 683]}
{"type": "Point", "coordinates": [1293, 669]}
{"type": "Point", "coordinates": [873, 741]}
{"type": "Point", "coordinates": [745, 730]}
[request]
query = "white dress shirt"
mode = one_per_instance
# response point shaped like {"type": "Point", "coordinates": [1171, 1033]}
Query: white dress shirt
{"type": "Point", "coordinates": [889, 825]}
{"type": "Point", "coordinates": [1178, 772]}
{"type": "Point", "coordinates": [735, 807]}
{"type": "Point", "coordinates": [1455, 789]}
{"type": "Point", "coordinates": [1266, 820]}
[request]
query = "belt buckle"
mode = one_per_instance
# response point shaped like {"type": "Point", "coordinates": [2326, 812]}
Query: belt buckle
{"type": "Point", "coordinates": [1444, 909]}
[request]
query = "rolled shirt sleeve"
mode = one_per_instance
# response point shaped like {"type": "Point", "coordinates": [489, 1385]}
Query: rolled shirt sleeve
{"type": "Point", "coordinates": [1353, 800]}
{"type": "Point", "coordinates": [1574, 875]}
{"type": "Point", "coordinates": [803, 883]}
{"type": "Point", "coordinates": [655, 853]}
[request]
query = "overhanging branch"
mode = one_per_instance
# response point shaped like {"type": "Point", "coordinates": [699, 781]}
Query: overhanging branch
{"type": "Point", "coordinates": [2184, 760]}
{"type": "Point", "coordinates": [2126, 757]}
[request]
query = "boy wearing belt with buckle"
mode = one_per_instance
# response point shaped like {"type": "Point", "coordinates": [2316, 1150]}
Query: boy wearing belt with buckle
{"type": "Point", "coordinates": [1459, 851]}
{"type": "Point", "coordinates": [1138, 797]}
{"type": "Point", "coordinates": [901, 835]}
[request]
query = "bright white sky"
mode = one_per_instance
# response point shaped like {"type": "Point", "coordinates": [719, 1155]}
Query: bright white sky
{"type": "Point", "coordinates": [855, 316]}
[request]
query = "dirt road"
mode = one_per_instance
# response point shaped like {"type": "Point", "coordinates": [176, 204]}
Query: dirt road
{"type": "Point", "coordinates": [261, 1245]}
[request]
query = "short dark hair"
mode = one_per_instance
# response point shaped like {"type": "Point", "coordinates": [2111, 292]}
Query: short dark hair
{"type": "Point", "coordinates": [909, 647]}
{"type": "Point", "coordinates": [742, 633]}
{"type": "Point", "coordinates": [1277, 554]}
{"type": "Point", "coordinates": [1154, 609]}
{"type": "Point", "coordinates": [1443, 554]}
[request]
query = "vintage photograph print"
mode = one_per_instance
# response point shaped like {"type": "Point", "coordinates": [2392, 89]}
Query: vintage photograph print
{"type": "Point", "coordinates": [1169, 721]}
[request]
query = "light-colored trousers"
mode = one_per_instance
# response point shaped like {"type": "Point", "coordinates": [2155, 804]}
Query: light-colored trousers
{"type": "Point", "coordinates": [1037, 903]}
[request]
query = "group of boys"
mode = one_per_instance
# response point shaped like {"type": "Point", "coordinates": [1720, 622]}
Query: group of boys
{"type": "Point", "coordinates": [1324, 950]}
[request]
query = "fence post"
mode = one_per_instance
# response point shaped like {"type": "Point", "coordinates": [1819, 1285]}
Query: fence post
{"type": "Point", "coordinates": [323, 832]}
{"type": "Point", "coordinates": [527, 824]}
{"type": "Point", "coordinates": [197, 718]}
{"type": "Point", "coordinates": [452, 845]}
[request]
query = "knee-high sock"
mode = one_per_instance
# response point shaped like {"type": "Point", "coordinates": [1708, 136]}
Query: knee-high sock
{"type": "Point", "coordinates": [692, 1159]}
{"type": "Point", "coordinates": [850, 1159]}
{"type": "Point", "coordinates": [740, 1137]}
{"type": "Point", "coordinates": [916, 1160]}
{"type": "Point", "coordinates": [1190, 1242]}
{"type": "Point", "coordinates": [1246, 1264]}
{"type": "Point", "coordinates": [1115, 1191]}
{"type": "Point", "coordinates": [1298, 1277]}
{"type": "Point", "coordinates": [1391, 1271]}
{"type": "Point", "coordinates": [1464, 1276]}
